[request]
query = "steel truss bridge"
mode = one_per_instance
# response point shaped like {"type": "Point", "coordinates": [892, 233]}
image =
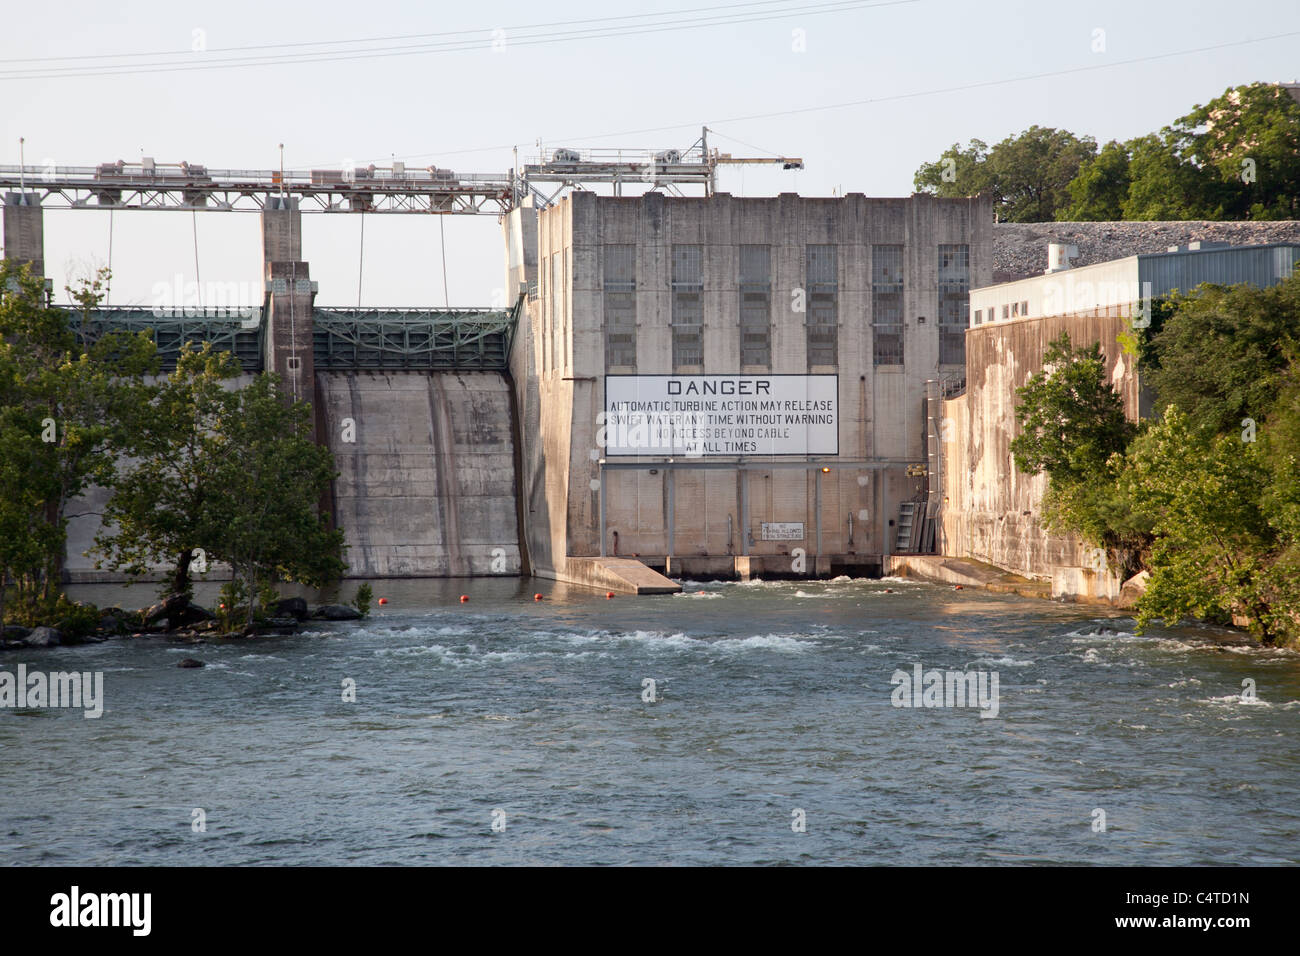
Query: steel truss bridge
{"type": "Point", "coordinates": [171, 329]}
{"type": "Point", "coordinates": [433, 339]}
{"type": "Point", "coordinates": [186, 186]}
{"type": "Point", "coordinates": [343, 339]}
{"type": "Point", "coordinates": [351, 338]}
{"type": "Point", "coordinates": [397, 188]}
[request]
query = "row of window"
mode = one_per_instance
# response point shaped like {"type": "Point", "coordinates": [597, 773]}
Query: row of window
{"type": "Point", "coordinates": [1010, 310]}
{"type": "Point", "coordinates": [820, 304]}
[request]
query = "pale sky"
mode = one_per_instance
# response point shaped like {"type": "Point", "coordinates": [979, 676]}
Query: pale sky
{"type": "Point", "coordinates": [934, 72]}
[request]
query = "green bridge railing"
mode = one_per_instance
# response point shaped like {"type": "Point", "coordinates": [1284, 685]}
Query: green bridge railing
{"type": "Point", "coordinates": [229, 330]}
{"type": "Point", "coordinates": [343, 339]}
{"type": "Point", "coordinates": [448, 339]}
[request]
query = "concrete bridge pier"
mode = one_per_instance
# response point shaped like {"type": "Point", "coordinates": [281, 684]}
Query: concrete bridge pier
{"type": "Point", "coordinates": [24, 230]}
{"type": "Point", "coordinates": [290, 299]}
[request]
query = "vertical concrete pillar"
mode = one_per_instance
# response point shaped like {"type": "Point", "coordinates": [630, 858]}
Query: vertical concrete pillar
{"type": "Point", "coordinates": [669, 477]}
{"type": "Point", "coordinates": [24, 230]}
{"type": "Point", "coordinates": [817, 507]}
{"type": "Point", "coordinates": [603, 486]}
{"type": "Point", "coordinates": [281, 230]}
{"type": "Point", "coordinates": [288, 345]}
{"type": "Point", "coordinates": [744, 511]}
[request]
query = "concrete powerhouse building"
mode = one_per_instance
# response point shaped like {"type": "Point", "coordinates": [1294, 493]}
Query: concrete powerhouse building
{"type": "Point", "coordinates": [709, 384]}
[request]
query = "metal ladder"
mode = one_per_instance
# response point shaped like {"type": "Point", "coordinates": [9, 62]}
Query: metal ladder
{"type": "Point", "coordinates": [906, 515]}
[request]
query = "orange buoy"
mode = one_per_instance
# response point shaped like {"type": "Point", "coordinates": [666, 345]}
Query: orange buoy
{"type": "Point", "coordinates": [383, 600]}
{"type": "Point", "coordinates": [537, 597]}
{"type": "Point", "coordinates": [609, 595]}
{"type": "Point", "coordinates": [957, 588]}
{"type": "Point", "coordinates": [464, 599]}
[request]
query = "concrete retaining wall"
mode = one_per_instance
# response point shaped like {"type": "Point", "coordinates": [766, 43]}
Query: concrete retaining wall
{"type": "Point", "coordinates": [427, 485]}
{"type": "Point", "coordinates": [991, 511]}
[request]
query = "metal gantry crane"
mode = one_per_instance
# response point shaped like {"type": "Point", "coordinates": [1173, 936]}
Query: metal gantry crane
{"type": "Point", "coordinates": [668, 168]}
{"type": "Point", "coordinates": [397, 188]}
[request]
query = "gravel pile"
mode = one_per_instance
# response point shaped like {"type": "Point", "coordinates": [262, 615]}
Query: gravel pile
{"type": "Point", "coordinates": [1020, 248]}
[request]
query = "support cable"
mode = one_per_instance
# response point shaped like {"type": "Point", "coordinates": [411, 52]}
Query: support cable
{"type": "Point", "coordinates": [442, 228]}
{"type": "Point", "coordinates": [109, 288]}
{"type": "Point", "coordinates": [198, 280]}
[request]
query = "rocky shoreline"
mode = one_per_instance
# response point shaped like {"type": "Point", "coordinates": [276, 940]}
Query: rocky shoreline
{"type": "Point", "coordinates": [177, 617]}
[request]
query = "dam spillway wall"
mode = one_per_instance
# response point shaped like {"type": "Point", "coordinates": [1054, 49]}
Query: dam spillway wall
{"type": "Point", "coordinates": [426, 484]}
{"type": "Point", "coordinates": [426, 464]}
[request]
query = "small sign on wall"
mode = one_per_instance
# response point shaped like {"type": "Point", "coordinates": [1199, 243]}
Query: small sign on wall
{"type": "Point", "coordinates": [782, 530]}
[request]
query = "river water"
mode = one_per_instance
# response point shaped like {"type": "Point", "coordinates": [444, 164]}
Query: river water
{"type": "Point", "coordinates": [773, 737]}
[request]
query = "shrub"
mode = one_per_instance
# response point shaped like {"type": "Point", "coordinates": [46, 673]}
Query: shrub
{"type": "Point", "coordinates": [361, 602]}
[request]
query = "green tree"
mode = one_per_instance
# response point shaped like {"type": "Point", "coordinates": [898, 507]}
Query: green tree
{"type": "Point", "coordinates": [1026, 175]}
{"type": "Point", "coordinates": [365, 594]}
{"type": "Point", "coordinates": [267, 477]}
{"type": "Point", "coordinates": [1215, 549]}
{"type": "Point", "coordinates": [1221, 354]}
{"type": "Point", "coordinates": [69, 397]}
{"type": "Point", "coordinates": [959, 173]}
{"type": "Point", "coordinates": [28, 542]}
{"type": "Point", "coordinates": [1072, 426]}
{"type": "Point", "coordinates": [1098, 192]}
{"type": "Point", "coordinates": [1280, 448]}
{"type": "Point", "coordinates": [1236, 157]}
{"type": "Point", "coordinates": [1164, 183]}
{"type": "Point", "coordinates": [1071, 420]}
{"type": "Point", "coordinates": [157, 508]}
{"type": "Point", "coordinates": [1248, 142]}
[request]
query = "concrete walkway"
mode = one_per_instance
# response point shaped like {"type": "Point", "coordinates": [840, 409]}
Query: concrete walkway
{"type": "Point", "coordinates": [967, 573]}
{"type": "Point", "coordinates": [621, 575]}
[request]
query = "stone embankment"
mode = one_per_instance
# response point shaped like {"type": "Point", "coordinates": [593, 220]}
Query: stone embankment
{"type": "Point", "coordinates": [1020, 248]}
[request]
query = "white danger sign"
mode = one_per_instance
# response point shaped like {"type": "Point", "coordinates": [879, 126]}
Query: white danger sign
{"type": "Point", "coordinates": [700, 416]}
{"type": "Point", "coordinates": [782, 530]}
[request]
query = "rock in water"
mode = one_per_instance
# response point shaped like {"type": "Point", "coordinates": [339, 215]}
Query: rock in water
{"type": "Point", "coordinates": [338, 612]}
{"type": "Point", "coordinates": [190, 662]}
{"type": "Point", "coordinates": [43, 637]}
{"type": "Point", "coordinates": [294, 607]}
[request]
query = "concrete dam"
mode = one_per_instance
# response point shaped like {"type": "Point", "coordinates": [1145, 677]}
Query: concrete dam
{"type": "Point", "coordinates": [483, 442]}
{"type": "Point", "coordinates": [426, 457]}
{"type": "Point", "coordinates": [416, 406]}
{"type": "Point", "coordinates": [863, 337]}
{"type": "Point", "coordinates": [426, 462]}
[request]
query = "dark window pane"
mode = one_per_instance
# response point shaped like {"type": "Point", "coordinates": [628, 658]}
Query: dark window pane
{"type": "Point", "coordinates": [887, 304]}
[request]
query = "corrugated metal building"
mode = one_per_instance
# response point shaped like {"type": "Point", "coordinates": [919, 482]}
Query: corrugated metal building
{"type": "Point", "coordinates": [1122, 286]}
